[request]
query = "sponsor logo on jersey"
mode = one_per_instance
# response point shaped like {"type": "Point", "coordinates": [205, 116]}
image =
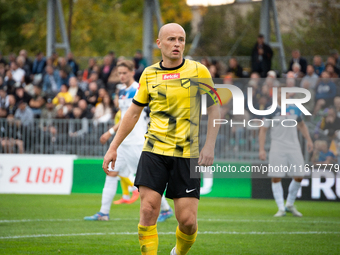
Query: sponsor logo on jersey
{"type": "Point", "coordinates": [171, 76]}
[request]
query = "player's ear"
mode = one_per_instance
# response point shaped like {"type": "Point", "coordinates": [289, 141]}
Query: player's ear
{"type": "Point", "coordinates": [159, 44]}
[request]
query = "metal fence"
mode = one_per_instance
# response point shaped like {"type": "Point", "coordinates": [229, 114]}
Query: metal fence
{"type": "Point", "coordinates": [81, 137]}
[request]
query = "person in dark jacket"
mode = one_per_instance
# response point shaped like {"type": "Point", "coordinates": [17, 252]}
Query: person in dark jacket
{"type": "Point", "coordinates": [261, 57]}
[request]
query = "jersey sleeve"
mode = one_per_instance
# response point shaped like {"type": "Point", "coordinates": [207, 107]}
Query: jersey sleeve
{"type": "Point", "coordinates": [142, 96]}
{"type": "Point", "coordinates": [206, 85]}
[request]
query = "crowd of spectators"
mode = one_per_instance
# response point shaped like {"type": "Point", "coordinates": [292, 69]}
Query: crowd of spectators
{"type": "Point", "coordinates": [56, 88]}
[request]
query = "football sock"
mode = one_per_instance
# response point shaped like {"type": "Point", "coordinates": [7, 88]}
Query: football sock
{"type": "Point", "coordinates": [164, 204]}
{"type": "Point", "coordinates": [125, 182]}
{"type": "Point", "coordinates": [184, 241]}
{"type": "Point", "coordinates": [148, 239]}
{"type": "Point", "coordinates": [109, 191]}
{"type": "Point", "coordinates": [292, 192]}
{"type": "Point", "coordinates": [278, 195]}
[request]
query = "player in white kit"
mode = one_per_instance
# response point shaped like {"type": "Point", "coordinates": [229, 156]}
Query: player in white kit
{"type": "Point", "coordinates": [285, 151]}
{"type": "Point", "coordinates": [130, 150]}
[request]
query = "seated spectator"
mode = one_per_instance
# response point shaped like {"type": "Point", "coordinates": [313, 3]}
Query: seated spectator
{"type": "Point", "coordinates": [49, 111]}
{"type": "Point", "coordinates": [76, 93]}
{"type": "Point", "coordinates": [296, 58]}
{"type": "Point", "coordinates": [9, 82]}
{"type": "Point", "coordinates": [318, 65]}
{"type": "Point", "coordinates": [38, 100]}
{"type": "Point", "coordinates": [10, 136]}
{"type": "Point", "coordinates": [63, 65]}
{"type": "Point", "coordinates": [297, 71]}
{"type": "Point", "coordinates": [72, 63]}
{"type": "Point", "coordinates": [82, 104]}
{"type": "Point", "coordinates": [22, 95]}
{"type": "Point", "coordinates": [86, 74]}
{"type": "Point", "coordinates": [337, 106]}
{"type": "Point", "coordinates": [63, 94]}
{"type": "Point", "coordinates": [3, 102]}
{"type": "Point", "coordinates": [213, 71]}
{"type": "Point", "coordinates": [12, 106]}
{"type": "Point", "coordinates": [2, 70]}
{"type": "Point", "coordinates": [330, 69]}
{"type": "Point", "coordinates": [25, 66]}
{"type": "Point", "coordinates": [322, 154]}
{"type": "Point", "coordinates": [103, 110]}
{"type": "Point", "coordinates": [325, 93]}
{"type": "Point", "coordinates": [64, 77]}
{"type": "Point", "coordinates": [95, 78]}
{"type": "Point", "coordinates": [235, 68]}
{"type": "Point", "coordinates": [91, 95]}
{"type": "Point", "coordinates": [17, 72]}
{"type": "Point", "coordinates": [51, 81]}
{"type": "Point", "coordinates": [328, 125]}
{"type": "Point", "coordinates": [83, 85]}
{"type": "Point", "coordinates": [311, 77]}
{"type": "Point", "coordinates": [78, 128]}
{"type": "Point", "coordinates": [39, 64]}
{"type": "Point", "coordinates": [24, 114]}
{"type": "Point", "coordinates": [331, 60]}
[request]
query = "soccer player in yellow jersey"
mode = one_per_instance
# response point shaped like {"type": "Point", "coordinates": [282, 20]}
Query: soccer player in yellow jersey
{"type": "Point", "coordinates": [172, 90]}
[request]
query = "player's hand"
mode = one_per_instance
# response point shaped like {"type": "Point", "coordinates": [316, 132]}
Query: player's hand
{"type": "Point", "coordinates": [104, 137]}
{"type": "Point", "coordinates": [310, 146]}
{"type": "Point", "coordinates": [206, 157]}
{"type": "Point", "coordinates": [262, 155]}
{"type": "Point", "coordinates": [110, 156]}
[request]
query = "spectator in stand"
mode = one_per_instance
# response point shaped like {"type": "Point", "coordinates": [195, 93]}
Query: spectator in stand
{"type": "Point", "coordinates": [322, 154]}
{"type": "Point", "coordinates": [38, 100]}
{"type": "Point", "coordinates": [78, 129]}
{"type": "Point", "coordinates": [3, 101]}
{"type": "Point", "coordinates": [76, 93]}
{"type": "Point", "coordinates": [54, 59]}
{"type": "Point", "coordinates": [81, 84]}
{"type": "Point", "coordinates": [9, 82]}
{"type": "Point", "coordinates": [330, 70]}
{"type": "Point", "coordinates": [103, 111]}
{"type": "Point", "coordinates": [63, 65]}
{"type": "Point", "coordinates": [28, 62]}
{"type": "Point", "coordinates": [106, 69]}
{"type": "Point", "coordinates": [63, 94]}
{"type": "Point", "coordinates": [297, 71]}
{"type": "Point", "coordinates": [91, 64]}
{"type": "Point", "coordinates": [51, 81]}
{"type": "Point", "coordinates": [64, 77]}
{"type": "Point", "coordinates": [270, 82]}
{"type": "Point", "coordinates": [24, 114]}
{"type": "Point", "coordinates": [94, 77]}
{"type": "Point", "coordinates": [82, 104]}
{"type": "Point", "coordinates": [140, 64]}
{"type": "Point", "coordinates": [2, 60]}
{"type": "Point", "coordinates": [296, 58]}
{"type": "Point", "coordinates": [10, 137]}
{"type": "Point", "coordinates": [12, 106]}
{"type": "Point", "coordinates": [114, 61]}
{"type": "Point", "coordinates": [22, 95]}
{"type": "Point", "coordinates": [21, 61]}
{"type": "Point", "coordinates": [235, 68]}
{"type": "Point", "coordinates": [325, 93]}
{"type": "Point", "coordinates": [318, 65]}
{"type": "Point", "coordinates": [72, 63]}
{"type": "Point", "coordinates": [17, 72]}
{"type": "Point", "coordinates": [91, 95]}
{"type": "Point", "coordinates": [311, 77]}
{"type": "Point", "coordinates": [335, 55]}
{"type": "Point", "coordinates": [39, 64]}
{"type": "Point", "coordinates": [205, 62]}
{"type": "Point", "coordinates": [11, 58]}
{"type": "Point", "coordinates": [261, 57]}
{"type": "Point", "coordinates": [331, 60]}
{"type": "Point", "coordinates": [49, 111]}
{"type": "Point", "coordinates": [329, 124]}
{"type": "Point", "coordinates": [213, 71]}
{"type": "Point", "coordinates": [337, 106]}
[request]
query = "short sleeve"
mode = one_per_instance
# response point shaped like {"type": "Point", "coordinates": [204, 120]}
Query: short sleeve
{"type": "Point", "coordinates": [206, 85]}
{"type": "Point", "coordinates": [142, 97]}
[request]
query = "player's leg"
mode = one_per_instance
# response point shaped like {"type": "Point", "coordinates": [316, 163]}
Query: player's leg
{"type": "Point", "coordinates": [276, 160]}
{"type": "Point", "coordinates": [151, 178]}
{"type": "Point", "coordinates": [166, 211]}
{"type": "Point", "coordinates": [296, 159]}
{"type": "Point", "coordinates": [278, 196]}
{"type": "Point", "coordinates": [109, 191]}
{"type": "Point", "coordinates": [186, 232]}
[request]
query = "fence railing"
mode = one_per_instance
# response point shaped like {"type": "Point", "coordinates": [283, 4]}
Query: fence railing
{"type": "Point", "coordinates": [81, 137]}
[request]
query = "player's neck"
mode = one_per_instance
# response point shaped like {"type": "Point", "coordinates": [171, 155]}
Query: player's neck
{"type": "Point", "coordinates": [129, 83]}
{"type": "Point", "coordinates": [169, 64]}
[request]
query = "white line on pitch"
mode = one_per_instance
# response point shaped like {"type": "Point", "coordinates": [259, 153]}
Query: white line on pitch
{"type": "Point", "coordinates": [210, 220]}
{"type": "Point", "coordinates": [172, 233]}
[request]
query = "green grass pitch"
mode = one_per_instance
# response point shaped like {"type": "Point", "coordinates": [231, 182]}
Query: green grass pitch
{"type": "Point", "coordinates": [51, 224]}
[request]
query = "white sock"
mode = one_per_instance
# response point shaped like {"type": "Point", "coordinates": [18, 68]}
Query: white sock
{"type": "Point", "coordinates": [164, 204]}
{"type": "Point", "coordinates": [109, 191]}
{"type": "Point", "coordinates": [292, 192]}
{"type": "Point", "coordinates": [278, 195]}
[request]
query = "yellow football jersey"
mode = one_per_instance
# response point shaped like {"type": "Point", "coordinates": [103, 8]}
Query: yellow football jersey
{"type": "Point", "coordinates": [174, 99]}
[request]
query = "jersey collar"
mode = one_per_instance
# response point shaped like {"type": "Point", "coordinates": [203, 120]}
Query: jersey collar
{"type": "Point", "coordinates": [173, 68]}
